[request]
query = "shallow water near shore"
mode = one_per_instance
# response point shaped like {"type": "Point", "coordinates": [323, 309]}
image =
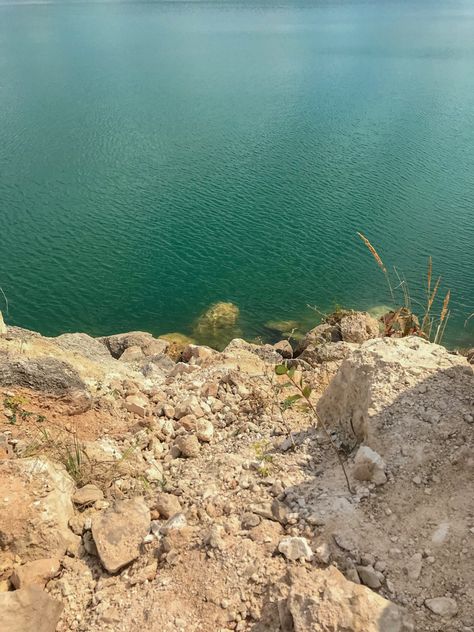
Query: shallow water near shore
{"type": "Point", "coordinates": [158, 157]}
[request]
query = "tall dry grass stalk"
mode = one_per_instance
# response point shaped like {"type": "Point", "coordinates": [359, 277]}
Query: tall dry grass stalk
{"type": "Point", "coordinates": [428, 321]}
{"type": "Point", "coordinates": [443, 318]}
{"type": "Point", "coordinates": [431, 295]}
{"type": "Point", "coordinates": [379, 262]}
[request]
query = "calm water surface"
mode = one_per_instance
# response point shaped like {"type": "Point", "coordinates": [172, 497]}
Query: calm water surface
{"type": "Point", "coordinates": [156, 157]}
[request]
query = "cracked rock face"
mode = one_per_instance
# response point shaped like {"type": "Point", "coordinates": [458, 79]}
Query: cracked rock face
{"type": "Point", "coordinates": [381, 373]}
{"type": "Point", "coordinates": [119, 531]}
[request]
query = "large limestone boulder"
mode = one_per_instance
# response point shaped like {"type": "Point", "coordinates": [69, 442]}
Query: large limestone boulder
{"type": "Point", "coordinates": [391, 378]}
{"type": "Point", "coordinates": [83, 345]}
{"type": "Point", "coordinates": [325, 601]}
{"type": "Point", "coordinates": [29, 610]}
{"type": "Point", "coordinates": [35, 507]}
{"type": "Point", "coordinates": [46, 374]}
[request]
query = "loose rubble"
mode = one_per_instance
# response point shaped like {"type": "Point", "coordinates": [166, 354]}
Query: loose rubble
{"type": "Point", "coordinates": [151, 483]}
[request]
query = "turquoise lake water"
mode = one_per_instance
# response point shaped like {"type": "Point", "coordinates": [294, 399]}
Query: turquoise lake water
{"type": "Point", "coordinates": [156, 157]}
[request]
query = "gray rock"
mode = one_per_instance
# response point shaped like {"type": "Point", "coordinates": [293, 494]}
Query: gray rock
{"type": "Point", "coordinates": [84, 345]}
{"type": "Point", "coordinates": [267, 353]}
{"type": "Point", "coordinates": [41, 374]}
{"type": "Point", "coordinates": [178, 521]}
{"type": "Point", "coordinates": [119, 531]}
{"type": "Point", "coordinates": [369, 576]}
{"type": "Point", "coordinates": [280, 511]}
{"type": "Point", "coordinates": [250, 520]}
{"type": "Point", "coordinates": [284, 348]}
{"type": "Point", "coordinates": [442, 606]}
{"type": "Point", "coordinates": [158, 361]}
{"type": "Point", "coordinates": [29, 610]}
{"type": "Point", "coordinates": [414, 565]}
{"type": "Point", "coordinates": [323, 553]}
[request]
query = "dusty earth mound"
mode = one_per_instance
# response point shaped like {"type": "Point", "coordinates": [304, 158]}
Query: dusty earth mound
{"type": "Point", "coordinates": [199, 495]}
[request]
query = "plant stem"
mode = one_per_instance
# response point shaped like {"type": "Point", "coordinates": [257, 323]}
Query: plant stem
{"type": "Point", "coordinates": [319, 422]}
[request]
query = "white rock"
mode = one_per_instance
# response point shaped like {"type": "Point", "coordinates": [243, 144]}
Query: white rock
{"type": "Point", "coordinates": [369, 466]}
{"type": "Point", "coordinates": [365, 386]}
{"type": "Point", "coordinates": [178, 521]}
{"type": "Point", "coordinates": [295, 548]}
{"type": "Point", "coordinates": [204, 430]}
{"type": "Point", "coordinates": [323, 553]}
{"type": "Point", "coordinates": [441, 533]}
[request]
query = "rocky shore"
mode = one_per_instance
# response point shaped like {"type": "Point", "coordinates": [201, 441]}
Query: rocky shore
{"type": "Point", "coordinates": [155, 484]}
